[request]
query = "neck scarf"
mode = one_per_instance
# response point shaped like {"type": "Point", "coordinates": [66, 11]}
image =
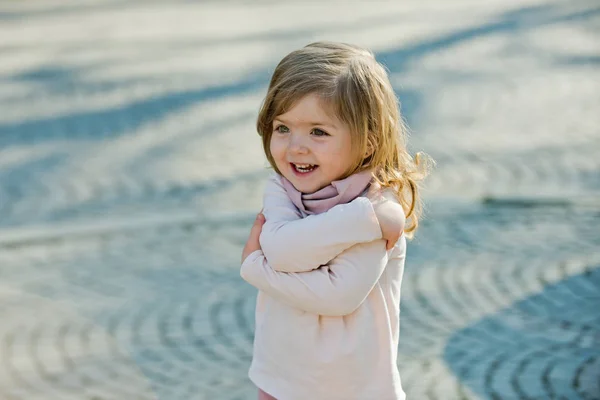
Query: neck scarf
{"type": "Point", "coordinates": [338, 192]}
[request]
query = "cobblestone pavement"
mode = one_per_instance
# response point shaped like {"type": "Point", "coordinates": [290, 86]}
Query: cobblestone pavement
{"type": "Point", "coordinates": [130, 174]}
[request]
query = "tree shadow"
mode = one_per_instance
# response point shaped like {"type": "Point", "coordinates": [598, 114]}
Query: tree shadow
{"type": "Point", "coordinates": [536, 347]}
{"type": "Point", "coordinates": [513, 22]}
{"type": "Point", "coordinates": [96, 124]}
{"type": "Point", "coordinates": [111, 122]}
{"type": "Point", "coordinates": [100, 124]}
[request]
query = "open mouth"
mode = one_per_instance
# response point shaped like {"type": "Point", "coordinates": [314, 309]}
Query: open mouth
{"type": "Point", "coordinates": [303, 168]}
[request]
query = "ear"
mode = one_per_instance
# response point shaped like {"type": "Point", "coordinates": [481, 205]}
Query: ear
{"type": "Point", "coordinates": [370, 148]}
{"type": "Point", "coordinates": [368, 153]}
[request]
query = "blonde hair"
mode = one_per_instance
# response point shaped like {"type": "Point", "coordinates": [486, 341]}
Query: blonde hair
{"type": "Point", "coordinates": [357, 87]}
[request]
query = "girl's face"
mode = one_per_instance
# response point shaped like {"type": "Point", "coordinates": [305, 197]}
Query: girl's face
{"type": "Point", "coordinates": [310, 146]}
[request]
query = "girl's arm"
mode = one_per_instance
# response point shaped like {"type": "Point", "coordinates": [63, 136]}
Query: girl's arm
{"type": "Point", "coordinates": [295, 244]}
{"type": "Point", "coordinates": [333, 290]}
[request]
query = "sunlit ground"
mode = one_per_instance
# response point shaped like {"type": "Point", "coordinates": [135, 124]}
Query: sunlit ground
{"type": "Point", "coordinates": [130, 172]}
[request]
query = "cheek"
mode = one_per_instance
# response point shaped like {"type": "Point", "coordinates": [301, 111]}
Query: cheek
{"type": "Point", "coordinates": [341, 160]}
{"type": "Point", "coordinates": [337, 153]}
{"type": "Point", "coordinates": [278, 149]}
{"type": "Point", "coordinates": [274, 147]}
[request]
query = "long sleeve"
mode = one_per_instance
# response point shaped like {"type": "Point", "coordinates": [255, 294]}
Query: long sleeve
{"type": "Point", "coordinates": [333, 290]}
{"type": "Point", "coordinates": [295, 244]}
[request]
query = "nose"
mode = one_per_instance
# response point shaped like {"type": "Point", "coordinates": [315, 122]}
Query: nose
{"type": "Point", "coordinates": [297, 144]}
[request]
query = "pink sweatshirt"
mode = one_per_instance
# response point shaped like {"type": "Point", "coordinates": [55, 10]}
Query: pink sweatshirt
{"type": "Point", "coordinates": [327, 312]}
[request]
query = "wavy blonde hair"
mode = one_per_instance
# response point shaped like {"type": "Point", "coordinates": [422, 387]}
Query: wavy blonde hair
{"type": "Point", "coordinates": [357, 87]}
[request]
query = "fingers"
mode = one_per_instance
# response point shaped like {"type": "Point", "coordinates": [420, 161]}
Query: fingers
{"type": "Point", "coordinates": [392, 242]}
{"type": "Point", "coordinates": [253, 242]}
{"type": "Point", "coordinates": [260, 219]}
{"type": "Point", "coordinates": [257, 226]}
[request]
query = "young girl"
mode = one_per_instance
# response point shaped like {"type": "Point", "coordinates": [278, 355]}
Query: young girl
{"type": "Point", "coordinates": [327, 312]}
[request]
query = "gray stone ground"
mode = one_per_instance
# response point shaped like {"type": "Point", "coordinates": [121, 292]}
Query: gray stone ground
{"type": "Point", "coordinates": [130, 173]}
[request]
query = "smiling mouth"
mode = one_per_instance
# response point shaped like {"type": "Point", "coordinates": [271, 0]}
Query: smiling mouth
{"type": "Point", "coordinates": [303, 168]}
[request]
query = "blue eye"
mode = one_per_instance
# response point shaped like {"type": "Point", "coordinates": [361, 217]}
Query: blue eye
{"type": "Point", "coordinates": [282, 129]}
{"type": "Point", "coordinates": [319, 132]}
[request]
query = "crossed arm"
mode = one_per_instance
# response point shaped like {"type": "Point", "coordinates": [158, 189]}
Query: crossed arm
{"type": "Point", "coordinates": [295, 244]}
{"type": "Point", "coordinates": [335, 289]}
{"type": "Point", "coordinates": [324, 264]}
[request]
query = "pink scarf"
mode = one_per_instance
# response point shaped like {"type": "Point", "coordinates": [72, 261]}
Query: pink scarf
{"type": "Point", "coordinates": [338, 192]}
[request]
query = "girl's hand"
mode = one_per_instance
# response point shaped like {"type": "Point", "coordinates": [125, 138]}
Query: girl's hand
{"type": "Point", "coordinates": [391, 219]}
{"type": "Point", "coordinates": [253, 243]}
{"type": "Point", "coordinates": [390, 216]}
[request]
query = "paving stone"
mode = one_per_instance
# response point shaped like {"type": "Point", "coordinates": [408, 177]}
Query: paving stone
{"type": "Point", "coordinates": [130, 174]}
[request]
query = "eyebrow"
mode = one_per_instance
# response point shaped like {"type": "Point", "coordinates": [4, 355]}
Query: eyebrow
{"type": "Point", "coordinates": [309, 123]}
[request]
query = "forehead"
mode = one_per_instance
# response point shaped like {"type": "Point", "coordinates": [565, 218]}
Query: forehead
{"type": "Point", "coordinates": [308, 108]}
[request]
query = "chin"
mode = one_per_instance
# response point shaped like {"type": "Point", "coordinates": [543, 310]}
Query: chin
{"type": "Point", "coordinates": [310, 188]}
{"type": "Point", "coordinates": [303, 187]}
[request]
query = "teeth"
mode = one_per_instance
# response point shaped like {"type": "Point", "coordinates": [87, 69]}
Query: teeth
{"type": "Point", "coordinates": [304, 167]}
